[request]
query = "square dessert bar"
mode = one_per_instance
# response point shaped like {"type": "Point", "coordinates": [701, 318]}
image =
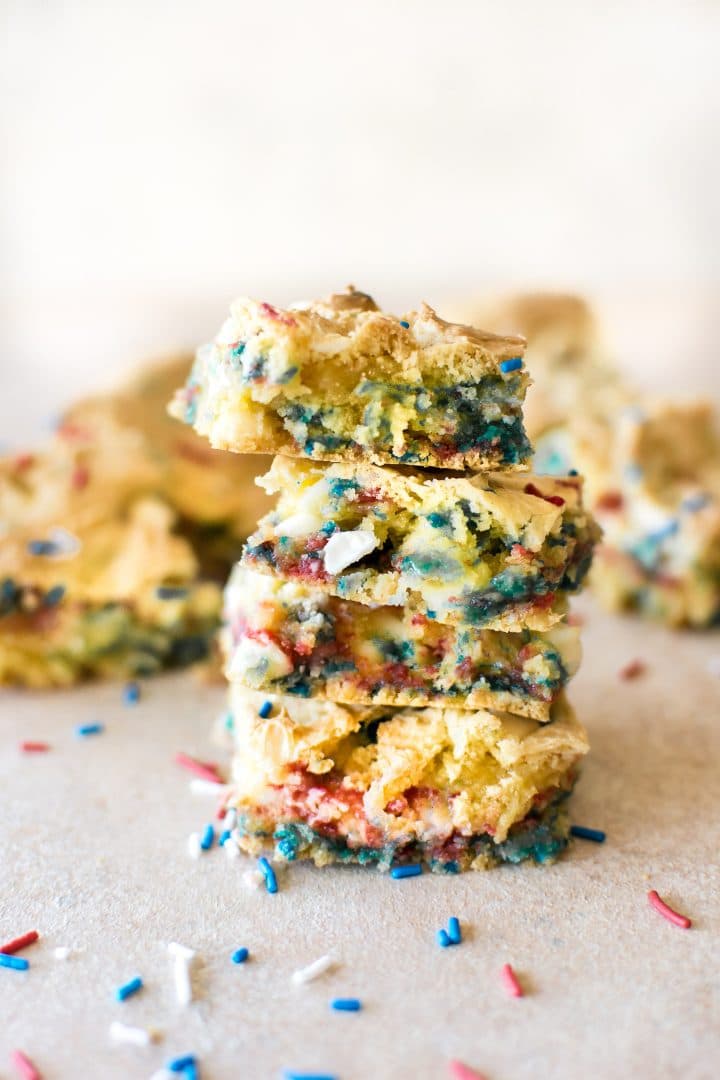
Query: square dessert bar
{"type": "Point", "coordinates": [495, 550]}
{"type": "Point", "coordinates": [655, 488]}
{"type": "Point", "coordinates": [455, 789]}
{"type": "Point", "coordinates": [339, 380]}
{"type": "Point", "coordinates": [111, 596]}
{"type": "Point", "coordinates": [288, 637]}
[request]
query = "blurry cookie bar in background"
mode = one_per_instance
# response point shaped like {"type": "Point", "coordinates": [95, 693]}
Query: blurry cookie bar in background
{"type": "Point", "coordinates": [340, 380]}
{"type": "Point", "coordinates": [115, 539]}
{"type": "Point", "coordinates": [652, 469]}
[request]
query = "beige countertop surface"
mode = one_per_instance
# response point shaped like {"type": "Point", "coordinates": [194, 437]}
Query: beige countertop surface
{"type": "Point", "coordinates": [93, 855]}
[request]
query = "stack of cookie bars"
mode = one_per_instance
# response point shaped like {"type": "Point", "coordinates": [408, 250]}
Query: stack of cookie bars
{"type": "Point", "coordinates": [395, 633]}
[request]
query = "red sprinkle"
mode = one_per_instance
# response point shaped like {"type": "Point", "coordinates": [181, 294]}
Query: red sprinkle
{"type": "Point", "coordinates": [19, 943]}
{"type": "Point", "coordinates": [611, 501]}
{"type": "Point", "coordinates": [632, 670]}
{"type": "Point", "coordinates": [29, 747]}
{"type": "Point", "coordinates": [556, 500]}
{"type": "Point", "coordinates": [667, 912]}
{"type": "Point", "coordinates": [23, 462]}
{"type": "Point", "coordinates": [463, 1072]}
{"type": "Point", "coordinates": [80, 477]}
{"type": "Point", "coordinates": [510, 979]}
{"type": "Point", "coordinates": [206, 772]}
{"type": "Point", "coordinates": [24, 1066]}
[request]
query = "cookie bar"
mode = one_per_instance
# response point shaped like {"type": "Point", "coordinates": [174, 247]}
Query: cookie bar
{"type": "Point", "coordinates": [112, 596]}
{"type": "Point", "coordinates": [495, 551]}
{"type": "Point", "coordinates": [455, 789]}
{"type": "Point", "coordinates": [288, 637]}
{"type": "Point", "coordinates": [212, 492]}
{"type": "Point", "coordinates": [570, 365]}
{"type": "Point", "coordinates": [655, 488]}
{"type": "Point", "coordinates": [339, 380]}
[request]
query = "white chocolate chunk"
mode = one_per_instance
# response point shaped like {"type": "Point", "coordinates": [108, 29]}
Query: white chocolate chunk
{"type": "Point", "coordinates": [345, 548]}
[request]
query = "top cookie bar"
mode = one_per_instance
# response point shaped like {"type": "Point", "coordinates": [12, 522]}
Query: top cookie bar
{"type": "Point", "coordinates": [339, 380]}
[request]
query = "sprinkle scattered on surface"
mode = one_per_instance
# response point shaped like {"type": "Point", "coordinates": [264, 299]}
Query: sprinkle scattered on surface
{"type": "Point", "coordinates": [510, 979]}
{"type": "Point", "coordinates": [667, 912]}
{"type": "Point", "coordinates": [30, 747]}
{"type": "Point", "coordinates": [205, 772]}
{"type": "Point", "coordinates": [128, 989]}
{"type": "Point", "coordinates": [131, 693]}
{"type": "Point", "coordinates": [124, 1033]}
{"type": "Point", "coordinates": [443, 939]}
{"type": "Point", "coordinates": [19, 943]}
{"type": "Point", "coordinates": [506, 366]}
{"type": "Point", "coordinates": [62, 952]}
{"type": "Point", "coordinates": [193, 845]}
{"type": "Point", "coordinates": [265, 710]}
{"type": "Point", "coordinates": [346, 1004]}
{"type": "Point", "coordinates": [453, 930]}
{"type": "Point", "coordinates": [82, 730]}
{"type": "Point", "coordinates": [240, 956]}
{"type": "Point", "coordinates": [413, 870]}
{"type": "Point", "coordinates": [269, 874]}
{"type": "Point", "coordinates": [17, 963]}
{"type": "Point", "coordinates": [24, 1065]}
{"type": "Point", "coordinates": [181, 1064]}
{"type": "Point", "coordinates": [224, 837]}
{"type": "Point", "coordinates": [583, 833]}
{"type": "Point", "coordinates": [182, 959]}
{"type": "Point", "coordinates": [312, 971]}
{"type": "Point", "coordinates": [208, 787]}
{"type": "Point", "coordinates": [208, 838]}
{"type": "Point", "coordinates": [632, 670]}
{"type": "Point", "coordinates": [459, 1071]}
{"type": "Point", "coordinates": [289, 1074]}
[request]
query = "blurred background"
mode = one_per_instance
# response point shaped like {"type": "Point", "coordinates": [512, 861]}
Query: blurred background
{"type": "Point", "coordinates": [160, 158]}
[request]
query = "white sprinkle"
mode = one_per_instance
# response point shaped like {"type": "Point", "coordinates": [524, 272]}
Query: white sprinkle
{"type": "Point", "coordinates": [318, 967]}
{"type": "Point", "coordinates": [183, 982]}
{"type": "Point", "coordinates": [181, 952]}
{"type": "Point", "coordinates": [232, 851]}
{"type": "Point", "coordinates": [123, 1033]}
{"type": "Point", "coordinates": [253, 879]}
{"type": "Point", "coordinates": [713, 666]}
{"type": "Point", "coordinates": [345, 548]}
{"type": "Point", "coordinates": [230, 819]}
{"type": "Point", "coordinates": [65, 543]}
{"type": "Point", "coordinates": [198, 786]}
{"type": "Point", "coordinates": [62, 952]}
{"type": "Point", "coordinates": [193, 845]}
{"type": "Point", "coordinates": [163, 1074]}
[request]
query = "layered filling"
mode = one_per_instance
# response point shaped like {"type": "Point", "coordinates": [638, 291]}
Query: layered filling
{"type": "Point", "coordinates": [288, 637]}
{"type": "Point", "coordinates": [46, 640]}
{"type": "Point", "coordinates": [488, 551]}
{"type": "Point", "coordinates": [116, 594]}
{"type": "Point", "coordinates": [446, 786]}
{"type": "Point", "coordinates": [339, 379]}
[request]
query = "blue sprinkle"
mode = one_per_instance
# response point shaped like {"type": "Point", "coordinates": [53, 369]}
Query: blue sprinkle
{"type": "Point", "coordinates": [129, 989]}
{"type": "Point", "coordinates": [18, 963]}
{"type": "Point", "coordinates": [583, 833]}
{"type": "Point", "coordinates": [405, 324]}
{"type": "Point", "coordinates": [290, 1075]}
{"type": "Point", "coordinates": [506, 366]}
{"type": "Point", "coordinates": [170, 592]}
{"type": "Point", "coordinates": [54, 596]}
{"type": "Point", "coordinates": [443, 939]}
{"type": "Point", "coordinates": [695, 502]}
{"type": "Point", "coordinates": [265, 710]}
{"type": "Point", "coordinates": [240, 956]}
{"type": "Point", "coordinates": [269, 875]}
{"type": "Point", "coordinates": [206, 840]}
{"type": "Point", "coordinates": [88, 729]}
{"type": "Point", "coordinates": [181, 1064]}
{"type": "Point", "coordinates": [413, 870]}
{"type": "Point", "coordinates": [131, 693]}
{"type": "Point", "coordinates": [346, 1004]}
{"type": "Point", "coordinates": [454, 931]}
{"type": "Point", "coordinates": [42, 547]}
{"type": "Point", "coordinates": [224, 837]}
{"type": "Point", "coordinates": [573, 472]}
